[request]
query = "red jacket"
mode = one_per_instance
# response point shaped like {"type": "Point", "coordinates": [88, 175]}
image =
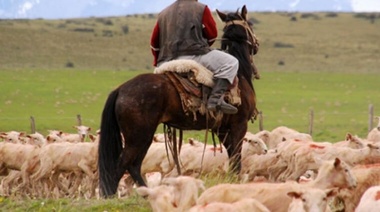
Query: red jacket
{"type": "Point", "coordinates": [210, 32]}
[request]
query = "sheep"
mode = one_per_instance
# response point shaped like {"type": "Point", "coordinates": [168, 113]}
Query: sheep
{"type": "Point", "coordinates": [367, 176]}
{"type": "Point", "coordinates": [36, 139]}
{"type": "Point", "coordinates": [157, 160]}
{"type": "Point", "coordinates": [243, 205]}
{"type": "Point", "coordinates": [67, 157]}
{"type": "Point", "coordinates": [252, 144]}
{"type": "Point", "coordinates": [331, 174]}
{"type": "Point", "coordinates": [82, 132]}
{"type": "Point", "coordinates": [351, 141]}
{"type": "Point", "coordinates": [196, 158]}
{"type": "Point", "coordinates": [80, 136]}
{"type": "Point", "coordinates": [186, 190]}
{"type": "Point", "coordinates": [310, 199]}
{"type": "Point", "coordinates": [175, 194]}
{"type": "Point", "coordinates": [12, 136]}
{"type": "Point", "coordinates": [370, 201]}
{"type": "Point", "coordinates": [305, 157]}
{"type": "Point", "coordinates": [374, 134]}
{"type": "Point", "coordinates": [293, 149]}
{"type": "Point", "coordinates": [13, 156]}
{"type": "Point", "coordinates": [258, 165]}
{"type": "Point", "coordinates": [161, 198]}
{"type": "Point", "coordinates": [279, 134]}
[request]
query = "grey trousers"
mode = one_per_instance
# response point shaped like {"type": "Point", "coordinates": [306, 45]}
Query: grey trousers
{"type": "Point", "coordinates": [223, 65]}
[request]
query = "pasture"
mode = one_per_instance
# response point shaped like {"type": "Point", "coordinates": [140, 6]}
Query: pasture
{"type": "Point", "coordinates": [55, 69]}
{"type": "Point", "coordinates": [340, 100]}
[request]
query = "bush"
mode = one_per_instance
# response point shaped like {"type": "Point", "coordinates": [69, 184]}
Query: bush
{"type": "Point", "coordinates": [69, 64]}
{"type": "Point", "coordinates": [107, 33]}
{"type": "Point", "coordinates": [125, 29]}
{"type": "Point", "coordinates": [104, 21]}
{"type": "Point", "coordinates": [283, 45]}
{"type": "Point", "coordinates": [310, 15]}
{"type": "Point", "coordinates": [84, 30]}
{"type": "Point", "coordinates": [332, 15]}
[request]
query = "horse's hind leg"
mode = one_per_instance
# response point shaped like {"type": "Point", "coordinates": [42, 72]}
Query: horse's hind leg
{"type": "Point", "coordinates": [136, 147]}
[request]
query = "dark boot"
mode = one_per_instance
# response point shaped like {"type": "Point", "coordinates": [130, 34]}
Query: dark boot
{"type": "Point", "coordinates": [216, 100]}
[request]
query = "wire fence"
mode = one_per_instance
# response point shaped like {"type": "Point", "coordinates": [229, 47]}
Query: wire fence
{"type": "Point", "coordinates": [309, 122]}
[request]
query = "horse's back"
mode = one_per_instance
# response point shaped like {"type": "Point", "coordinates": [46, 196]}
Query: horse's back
{"type": "Point", "coordinates": [147, 97]}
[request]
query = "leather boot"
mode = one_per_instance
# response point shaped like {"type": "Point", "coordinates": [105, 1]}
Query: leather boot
{"type": "Point", "coordinates": [216, 100]}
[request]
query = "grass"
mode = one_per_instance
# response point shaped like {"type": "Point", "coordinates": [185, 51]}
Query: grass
{"type": "Point", "coordinates": [54, 98]}
{"type": "Point", "coordinates": [54, 70]}
{"type": "Point", "coordinates": [134, 203]}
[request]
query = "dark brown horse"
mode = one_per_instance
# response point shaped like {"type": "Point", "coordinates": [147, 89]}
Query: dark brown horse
{"type": "Point", "coordinates": [138, 106]}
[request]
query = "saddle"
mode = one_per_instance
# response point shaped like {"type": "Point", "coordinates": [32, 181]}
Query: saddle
{"type": "Point", "coordinates": [194, 83]}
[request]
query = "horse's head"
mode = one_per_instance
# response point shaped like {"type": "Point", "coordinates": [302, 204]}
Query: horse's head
{"type": "Point", "coordinates": [239, 39]}
{"type": "Point", "coordinates": [238, 29]}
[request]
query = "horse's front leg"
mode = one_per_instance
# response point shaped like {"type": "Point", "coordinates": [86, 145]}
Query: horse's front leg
{"type": "Point", "coordinates": [233, 143]}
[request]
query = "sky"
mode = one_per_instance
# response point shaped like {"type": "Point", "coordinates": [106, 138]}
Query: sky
{"type": "Point", "coordinates": [51, 9]}
{"type": "Point", "coordinates": [366, 5]}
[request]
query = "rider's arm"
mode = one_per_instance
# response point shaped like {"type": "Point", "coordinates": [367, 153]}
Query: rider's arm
{"type": "Point", "coordinates": [210, 31]}
{"type": "Point", "coordinates": [155, 43]}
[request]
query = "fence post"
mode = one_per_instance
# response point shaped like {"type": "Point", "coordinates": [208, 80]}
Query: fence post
{"type": "Point", "coordinates": [261, 121]}
{"type": "Point", "coordinates": [311, 122]}
{"type": "Point", "coordinates": [79, 120]}
{"type": "Point", "coordinates": [370, 117]}
{"type": "Point", "coordinates": [32, 124]}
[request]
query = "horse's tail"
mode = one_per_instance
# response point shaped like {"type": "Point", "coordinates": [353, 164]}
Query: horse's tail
{"type": "Point", "coordinates": [110, 147]}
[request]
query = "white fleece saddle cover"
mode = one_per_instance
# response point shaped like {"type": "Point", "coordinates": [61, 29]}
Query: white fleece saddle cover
{"type": "Point", "coordinates": [202, 74]}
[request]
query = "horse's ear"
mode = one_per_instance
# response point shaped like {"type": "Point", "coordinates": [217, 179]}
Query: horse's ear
{"type": "Point", "coordinates": [221, 15]}
{"type": "Point", "coordinates": [244, 12]}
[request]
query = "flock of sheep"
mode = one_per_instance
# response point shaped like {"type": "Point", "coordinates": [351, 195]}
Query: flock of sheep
{"type": "Point", "coordinates": [282, 170]}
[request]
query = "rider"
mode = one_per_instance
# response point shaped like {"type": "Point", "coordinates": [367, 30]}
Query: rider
{"type": "Point", "coordinates": [186, 30]}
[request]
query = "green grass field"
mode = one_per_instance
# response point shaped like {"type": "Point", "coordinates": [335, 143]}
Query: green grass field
{"type": "Point", "coordinates": [340, 101]}
{"type": "Point", "coordinates": [54, 70]}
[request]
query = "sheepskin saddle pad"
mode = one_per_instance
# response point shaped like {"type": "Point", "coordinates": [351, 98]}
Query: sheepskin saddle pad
{"type": "Point", "coordinates": [201, 74]}
{"type": "Point", "coordinates": [188, 76]}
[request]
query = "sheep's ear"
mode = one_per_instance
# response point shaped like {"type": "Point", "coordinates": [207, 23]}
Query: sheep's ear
{"type": "Point", "coordinates": [372, 146]}
{"type": "Point", "coordinates": [244, 12]}
{"type": "Point", "coordinates": [92, 137]}
{"type": "Point", "coordinates": [348, 136]}
{"type": "Point", "coordinates": [331, 192]}
{"type": "Point", "coordinates": [337, 162]}
{"type": "Point", "coordinates": [222, 16]}
{"type": "Point", "coordinates": [294, 194]}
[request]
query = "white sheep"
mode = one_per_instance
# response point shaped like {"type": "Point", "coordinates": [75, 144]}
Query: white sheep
{"type": "Point", "coordinates": [370, 201]}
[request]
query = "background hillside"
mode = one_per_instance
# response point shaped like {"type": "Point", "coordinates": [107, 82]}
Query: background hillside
{"type": "Point", "coordinates": [334, 42]}
{"type": "Point", "coordinates": [325, 62]}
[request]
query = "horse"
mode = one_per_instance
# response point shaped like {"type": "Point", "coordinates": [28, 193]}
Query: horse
{"type": "Point", "coordinates": [135, 109]}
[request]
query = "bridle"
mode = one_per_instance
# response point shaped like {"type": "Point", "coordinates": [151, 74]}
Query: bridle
{"type": "Point", "coordinates": [252, 39]}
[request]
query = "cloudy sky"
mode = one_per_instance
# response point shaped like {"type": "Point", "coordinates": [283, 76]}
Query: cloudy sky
{"type": "Point", "coordinates": [53, 9]}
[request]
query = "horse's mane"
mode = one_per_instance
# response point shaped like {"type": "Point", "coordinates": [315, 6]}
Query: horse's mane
{"type": "Point", "coordinates": [234, 40]}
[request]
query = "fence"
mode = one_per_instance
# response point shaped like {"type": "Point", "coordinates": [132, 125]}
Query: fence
{"type": "Point", "coordinates": [371, 117]}
{"type": "Point", "coordinates": [309, 126]}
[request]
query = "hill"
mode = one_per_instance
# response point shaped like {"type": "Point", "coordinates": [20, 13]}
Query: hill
{"type": "Point", "coordinates": [332, 42]}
